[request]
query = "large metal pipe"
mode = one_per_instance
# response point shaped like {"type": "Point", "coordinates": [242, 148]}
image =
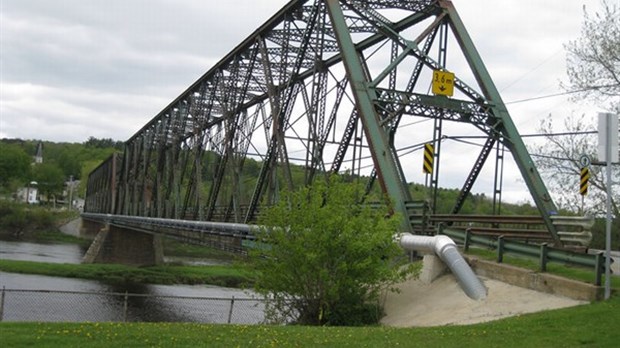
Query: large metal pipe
{"type": "Point", "coordinates": [441, 245]}
{"type": "Point", "coordinates": [445, 248]}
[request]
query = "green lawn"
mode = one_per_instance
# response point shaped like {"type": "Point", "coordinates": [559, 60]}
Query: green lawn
{"type": "Point", "coordinates": [594, 325]}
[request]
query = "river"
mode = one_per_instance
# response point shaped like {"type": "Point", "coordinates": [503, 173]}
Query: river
{"type": "Point", "coordinates": [199, 303]}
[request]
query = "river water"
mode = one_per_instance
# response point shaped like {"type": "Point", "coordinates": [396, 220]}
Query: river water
{"type": "Point", "coordinates": [198, 303]}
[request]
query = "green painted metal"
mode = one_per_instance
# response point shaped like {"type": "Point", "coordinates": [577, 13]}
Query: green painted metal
{"type": "Point", "coordinates": [388, 166]}
{"type": "Point", "coordinates": [506, 126]}
{"type": "Point", "coordinates": [300, 54]}
{"type": "Point", "coordinates": [502, 246]}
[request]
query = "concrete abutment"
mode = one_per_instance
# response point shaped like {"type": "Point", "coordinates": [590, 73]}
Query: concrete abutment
{"type": "Point", "coordinates": [114, 244]}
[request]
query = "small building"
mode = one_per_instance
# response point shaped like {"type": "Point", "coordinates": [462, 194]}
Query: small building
{"type": "Point", "coordinates": [29, 194]}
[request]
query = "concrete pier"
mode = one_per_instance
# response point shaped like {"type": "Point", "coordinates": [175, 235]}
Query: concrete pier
{"type": "Point", "coordinates": [130, 247]}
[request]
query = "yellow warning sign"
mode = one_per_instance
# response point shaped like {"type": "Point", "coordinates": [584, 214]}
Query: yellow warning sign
{"type": "Point", "coordinates": [429, 151]}
{"type": "Point", "coordinates": [585, 177]}
{"type": "Point", "coordinates": [443, 83]}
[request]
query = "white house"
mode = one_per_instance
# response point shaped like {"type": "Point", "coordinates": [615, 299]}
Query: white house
{"type": "Point", "coordinates": [29, 194]}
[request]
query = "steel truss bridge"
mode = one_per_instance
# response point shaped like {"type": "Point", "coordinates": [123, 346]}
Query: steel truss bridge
{"type": "Point", "coordinates": [324, 86]}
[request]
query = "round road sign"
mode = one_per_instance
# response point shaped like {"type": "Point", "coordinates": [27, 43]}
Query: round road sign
{"type": "Point", "coordinates": [584, 160]}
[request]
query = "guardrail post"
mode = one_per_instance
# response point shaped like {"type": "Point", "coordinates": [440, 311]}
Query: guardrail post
{"type": "Point", "coordinates": [467, 239]}
{"type": "Point", "coordinates": [2, 304]}
{"type": "Point", "coordinates": [125, 307]}
{"type": "Point", "coordinates": [232, 303]}
{"type": "Point", "coordinates": [543, 257]}
{"type": "Point", "coordinates": [500, 249]}
{"type": "Point", "coordinates": [599, 268]}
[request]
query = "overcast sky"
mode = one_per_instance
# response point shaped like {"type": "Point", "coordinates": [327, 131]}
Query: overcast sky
{"type": "Point", "coordinates": [71, 69]}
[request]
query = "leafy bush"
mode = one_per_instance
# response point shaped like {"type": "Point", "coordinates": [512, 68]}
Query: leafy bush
{"type": "Point", "coordinates": [18, 219]}
{"type": "Point", "coordinates": [324, 258]}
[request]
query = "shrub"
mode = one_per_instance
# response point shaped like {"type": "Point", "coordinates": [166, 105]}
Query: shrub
{"type": "Point", "coordinates": [323, 258]}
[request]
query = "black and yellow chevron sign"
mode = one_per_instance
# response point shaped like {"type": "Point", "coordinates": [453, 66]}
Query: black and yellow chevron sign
{"type": "Point", "coordinates": [585, 176]}
{"type": "Point", "coordinates": [429, 151]}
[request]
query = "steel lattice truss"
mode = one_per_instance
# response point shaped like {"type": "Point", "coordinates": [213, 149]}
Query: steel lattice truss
{"type": "Point", "coordinates": [323, 86]}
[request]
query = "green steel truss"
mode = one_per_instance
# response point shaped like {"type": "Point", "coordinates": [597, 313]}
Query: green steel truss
{"type": "Point", "coordinates": [323, 86]}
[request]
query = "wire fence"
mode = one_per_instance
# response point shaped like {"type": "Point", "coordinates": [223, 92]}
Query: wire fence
{"type": "Point", "coordinates": [78, 306]}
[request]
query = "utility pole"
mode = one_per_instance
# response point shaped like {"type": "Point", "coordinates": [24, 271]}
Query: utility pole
{"type": "Point", "coordinates": [608, 150]}
{"type": "Point", "coordinates": [71, 192]}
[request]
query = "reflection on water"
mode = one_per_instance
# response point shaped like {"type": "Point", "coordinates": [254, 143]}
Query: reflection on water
{"type": "Point", "coordinates": [39, 282]}
{"type": "Point", "coordinates": [157, 303]}
{"type": "Point", "coordinates": [194, 261]}
{"type": "Point", "coordinates": [146, 302]}
{"type": "Point", "coordinates": [55, 253]}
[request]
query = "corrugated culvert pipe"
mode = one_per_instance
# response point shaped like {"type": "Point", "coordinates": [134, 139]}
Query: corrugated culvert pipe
{"type": "Point", "coordinates": [445, 248]}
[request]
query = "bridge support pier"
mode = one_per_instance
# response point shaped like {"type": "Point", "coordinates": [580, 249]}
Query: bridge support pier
{"type": "Point", "coordinates": [89, 229]}
{"type": "Point", "coordinates": [115, 244]}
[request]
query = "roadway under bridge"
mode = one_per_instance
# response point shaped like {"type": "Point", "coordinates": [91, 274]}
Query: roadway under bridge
{"type": "Point", "coordinates": [325, 86]}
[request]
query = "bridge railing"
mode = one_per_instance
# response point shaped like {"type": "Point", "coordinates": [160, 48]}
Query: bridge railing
{"type": "Point", "coordinates": [574, 231]}
{"type": "Point", "coordinates": [542, 252]}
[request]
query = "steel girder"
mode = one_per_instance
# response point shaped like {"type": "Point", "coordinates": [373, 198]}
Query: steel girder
{"type": "Point", "coordinates": [323, 86]}
{"type": "Point", "coordinates": [101, 186]}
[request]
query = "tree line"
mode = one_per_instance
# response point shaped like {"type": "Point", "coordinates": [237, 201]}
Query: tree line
{"type": "Point", "coordinates": [62, 162]}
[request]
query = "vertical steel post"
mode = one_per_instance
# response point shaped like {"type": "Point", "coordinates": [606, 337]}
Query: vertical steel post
{"type": "Point", "coordinates": [499, 178]}
{"type": "Point", "coordinates": [383, 156]}
{"type": "Point", "coordinates": [125, 305]}
{"type": "Point", "coordinates": [230, 311]}
{"type": "Point", "coordinates": [598, 268]}
{"type": "Point", "coordinates": [2, 304]}
{"type": "Point", "coordinates": [544, 252]}
{"type": "Point", "coordinates": [500, 249]}
{"type": "Point", "coordinates": [608, 161]}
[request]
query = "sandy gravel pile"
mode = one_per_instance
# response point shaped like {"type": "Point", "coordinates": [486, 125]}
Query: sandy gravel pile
{"type": "Point", "coordinates": [442, 302]}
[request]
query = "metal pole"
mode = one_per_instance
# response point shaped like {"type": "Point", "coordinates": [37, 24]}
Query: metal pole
{"type": "Point", "coordinates": [70, 192]}
{"type": "Point", "coordinates": [2, 304]}
{"type": "Point", "coordinates": [608, 224]}
{"type": "Point", "coordinates": [232, 303]}
{"type": "Point", "coordinates": [126, 299]}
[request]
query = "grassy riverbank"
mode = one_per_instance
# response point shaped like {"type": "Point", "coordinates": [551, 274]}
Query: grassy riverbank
{"type": "Point", "coordinates": [229, 276]}
{"type": "Point", "coordinates": [593, 325]}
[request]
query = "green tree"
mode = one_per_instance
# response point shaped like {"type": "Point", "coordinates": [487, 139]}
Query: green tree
{"type": "Point", "coordinates": [593, 59]}
{"type": "Point", "coordinates": [50, 179]}
{"type": "Point", "coordinates": [593, 70]}
{"type": "Point", "coordinates": [324, 258]}
{"type": "Point", "coordinates": [14, 165]}
{"type": "Point", "coordinates": [558, 161]}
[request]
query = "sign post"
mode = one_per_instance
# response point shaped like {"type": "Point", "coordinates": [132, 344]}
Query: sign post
{"type": "Point", "coordinates": [608, 150]}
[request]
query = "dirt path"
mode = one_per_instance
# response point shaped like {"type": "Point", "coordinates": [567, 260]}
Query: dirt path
{"type": "Point", "coordinates": [444, 303]}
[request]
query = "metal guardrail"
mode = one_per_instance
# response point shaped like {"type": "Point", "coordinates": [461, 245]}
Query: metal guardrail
{"type": "Point", "coordinates": [542, 252]}
{"type": "Point", "coordinates": [572, 230]}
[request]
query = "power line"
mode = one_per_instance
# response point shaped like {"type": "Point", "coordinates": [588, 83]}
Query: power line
{"type": "Point", "coordinates": [553, 157]}
{"type": "Point", "coordinates": [455, 137]}
{"type": "Point", "coordinates": [561, 94]}
{"type": "Point", "coordinates": [558, 134]}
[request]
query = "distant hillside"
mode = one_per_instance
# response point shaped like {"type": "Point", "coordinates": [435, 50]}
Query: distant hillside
{"type": "Point", "coordinates": [77, 160]}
